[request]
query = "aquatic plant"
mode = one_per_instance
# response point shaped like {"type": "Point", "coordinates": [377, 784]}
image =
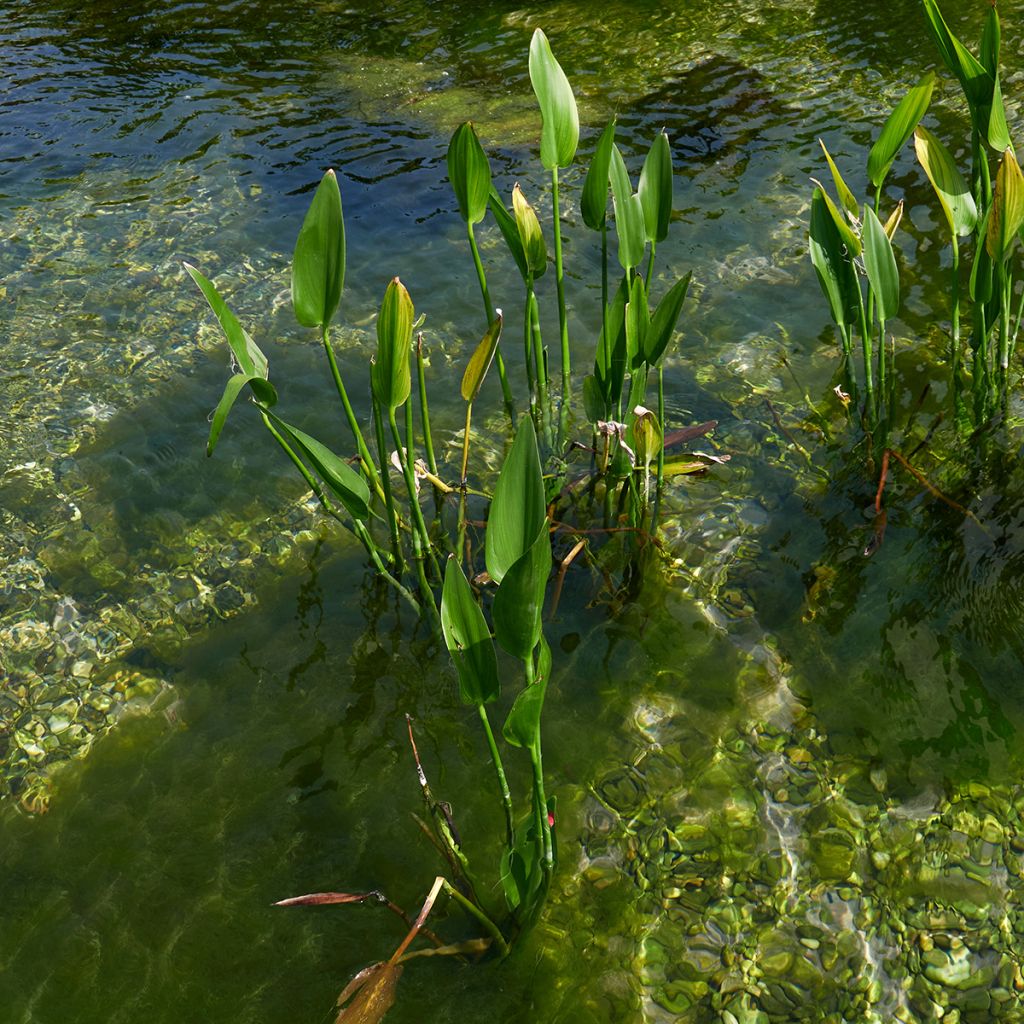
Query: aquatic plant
{"type": "Point", "coordinates": [847, 246]}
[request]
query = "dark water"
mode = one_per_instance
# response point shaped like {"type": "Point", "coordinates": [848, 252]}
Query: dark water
{"type": "Point", "coordinates": [133, 136]}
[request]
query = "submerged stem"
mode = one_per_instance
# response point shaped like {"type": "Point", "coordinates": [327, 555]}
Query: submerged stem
{"type": "Point", "coordinates": [499, 768]}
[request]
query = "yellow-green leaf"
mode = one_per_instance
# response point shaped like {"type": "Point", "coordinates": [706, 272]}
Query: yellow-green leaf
{"type": "Point", "coordinates": [390, 376]}
{"type": "Point", "coordinates": [898, 128]}
{"type": "Point", "coordinates": [560, 122]}
{"type": "Point", "coordinates": [953, 191]}
{"type": "Point", "coordinates": [655, 189]}
{"type": "Point", "coordinates": [629, 214]}
{"type": "Point", "coordinates": [846, 197]}
{"type": "Point", "coordinates": [318, 265]}
{"type": "Point", "coordinates": [1007, 211]}
{"type": "Point", "coordinates": [469, 172]}
{"type": "Point", "coordinates": [594, 200]}
{"type": "Point", "coordinates": [530, 235]}
{"type": "Point", "coordinates": [480, 360]}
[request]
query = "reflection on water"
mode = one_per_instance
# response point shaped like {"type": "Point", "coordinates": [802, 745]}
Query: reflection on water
{"type": "Point", "coordinates": [782, 776]}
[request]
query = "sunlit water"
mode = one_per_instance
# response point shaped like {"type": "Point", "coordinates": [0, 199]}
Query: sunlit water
{"type": "Point", "coordinates": [782, 772]}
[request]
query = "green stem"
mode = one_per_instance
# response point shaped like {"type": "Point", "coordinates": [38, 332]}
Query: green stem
{"type": "Point", "coordinates": [472, 909]}
{"type": "Point", "coordinates": [661, 451]}
{"type": "Point", "coordinates": [650, 266]}
{"type": "Point", "coordinates": [353, 423]}
{"type": "Point", "coordinates": [389, 497]}
{"type": "Point", "coordinates": [499, 769]}
{"type": "Point", "coordinates": [405, 458]}
{"type": "Point", "coordinates": [421, 378]}
{"type": "Point", "coordinates": [563, 323]}
{"type": "Point", "coordinates": [865, 334]}
{"type": "Point", "coordinates": [490, 312]}
{"type": "Point", "coordinates": [542, 371]}
{"type": "Point", "coordinates": [539, 798]}
{"type": "Point", "coordinates": [1005, 284]}
{"type": "Point", "coordinates": [604, 279]}
{"type": "Point", "coordinates": [462, 483]}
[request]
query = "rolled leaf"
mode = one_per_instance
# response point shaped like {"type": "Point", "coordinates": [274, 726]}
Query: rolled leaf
{"type": "Point", "coordinates": [829, 255]}
{"type": "Point", "coordinates": [594, 200]}
{"type": "Point", "coordinates": [593, 399]}
{"type": "Point", "coordinates": [518, 507]}
{"type": "Point", "coordinates": [390, 376]}
{"type": "Point", "coordinates": [998, 133]}
{"type": "Point", "coordinates": [509, 231]}
{"type": "Point", "coordinates": [610, 358]}
{"type": "Point", "coordinates": [990, 38]}
{"type": "Point", "coordinates": [530, 235]}
{"type": "Point", "coordinates": [629, 214]}
{"type": "Point", "coordinates": [560, 122]}
{"type": "Point", "coordinates": [468, 638]}
{"type": "Point", "coordinates": [880, 265]}
{"type": "Point", "coordinates": [952, 190]}
{"type": "Point", "coordinates": [638, 319]}
{"type": "Point", "coordinates": [1007, 212]}
{"type": "Point", "coordinates": [655, 189]}
{"type": "Point", "coordinates": [522, 727]}
{"type": "Point", "coordinates": [519, 603]}
{"type": "Point", "coordinates": [340, 477]}
{"type": "Point", "coordinates": [899, 126]}
{"type": "Point", "coordinates": [663, 323]}
{"type": "Point", "coordinates": [480, 360]}
{"type": "Point", "coordinates": [646, 435]}
{"type": "Point", "coordinates": [846, 197]}
{"type": "Point", "coordinates": [469, 171]}
{"type": "Point", "coordinates": [894, 220]}
{"type": "Point", "coordinates": [251, 361]}
{"type": "Point", "coordinates": [318, 265]}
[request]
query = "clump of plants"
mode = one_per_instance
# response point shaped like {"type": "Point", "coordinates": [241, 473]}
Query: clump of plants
{"type": "Point", "coordinates": [378, 484]}
{"type": "Point", "coordinates": [851, 243]}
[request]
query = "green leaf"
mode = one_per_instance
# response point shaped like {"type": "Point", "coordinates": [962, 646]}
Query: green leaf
{"type": "Point", "coordinates": [560, 122]}
{"type": "Point", "coordinates": [389, 375]}
{"type": "Point", "coordinates": [953, 191]}
{"type": "Point", "coordinates": [1007, 212]}
{"type": "Point", "coordinates": [519, 602]}
{"type": "Point", "coordinates": [593, 399]}
{"type": "Point", "coordinates": [610, 358]}
{"type": "Point", "coordinates": [629, 214]}
{"type": "Point", "coordinates": [480, 360]}
{"type": "Point", "coordinates": [850, 239]}
{"type": "Point", "coordinates": [663, 323]}
{"type": "Point", "coordinates": [235, 383]}
{"type": "Point", "coordinates": [880, 265]}
{"type": "Point", "coordinates": [469, 171]}
{"type": "Point", "coordinates": [655, 189]}
{"type": "Point", "coordinates": [468, 638]}
{"type": "Point", "coordinates": [522, 727]}
{"type": "Point", "coordinates": [846, 197]}
{"type": "Point", "coordinates": [251, 361]}
{"type": "Point", "coordinates": [339, 476]}
{"type": "Point", "coordinates": [990, 37]}
{"type": "Point", "coordinates": [646, 435]}
{"type": "Point", "coordinates": [318, 266]}
{"type": "Point", "coordinates": [638, 319]}
{"type": "Point", "coordinates": [509, 231]}
{"type": "Point", "coordinates": [530, 235]}
{"type": "Point", "coordinates": [974, 78]}
{"type": "Point", "coordinates": [518, 507]}
{"type": "Point", "coordinates": [998, 132]}
{"type": "Point", "coordinates": [980, 288]}
{"type": "Point", "coordinates": [594, 200]}
{"type": "Point", "coordinates": [898, 128]}
{"type": "Point", "coordinates": [831, 260]}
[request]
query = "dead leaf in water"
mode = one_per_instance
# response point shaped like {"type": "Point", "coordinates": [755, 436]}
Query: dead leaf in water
{"type": "Point", "coordinates": [369, 995]}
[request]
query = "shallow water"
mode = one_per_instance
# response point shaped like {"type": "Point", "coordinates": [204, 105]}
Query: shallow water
{"type": "Point", "coordinates": [781, 741]}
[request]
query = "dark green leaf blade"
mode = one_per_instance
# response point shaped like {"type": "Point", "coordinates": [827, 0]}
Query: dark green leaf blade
{"type": "Point", "coordinates": [509, 231]}
{"type": "Point", "coordinates": [638, 319]}
{"type": "Point", "coordinates": [560, 122]}
{"type": "Point", "coordinates": [390, 375]}
{"type": "Point", "coordinates": [899, 126]}
{"type": "Point", "coordinates": [522, 727]}
{"type": "Point", "coordinates": [469, 171]}
{"type": "Point", "coordinates": [664, 320]}
{"type": "Point", "coordinates": [518, 508]}
{"type": "Point", "coordinates": [318, 265]}
{"type": "Point", "coordinates": [831, 261]}
{"type": "Point", "coordinates": [235, 383]}
{"type": "Point", "coordinates": [594, 200]}
{"type": "Point", "coordinates": [468, 638]}
{"type": "Point", "coordinates": [519, 602]}
{"type": "Point", "coordinates": [880, 265]}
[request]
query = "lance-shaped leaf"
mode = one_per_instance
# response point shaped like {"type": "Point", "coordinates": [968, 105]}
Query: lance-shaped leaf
{"type": "Point", "coordinates": [832, 263]}
{"type": "Point", "coordinates": [594, 200]}
{"type": "Point", "coordinates": [629, 214]}
{"type": "Point", "coordinates": [663, 323]}
{"type": "Point", "coordinates": [980, 285]}
{"type": "Point", "coordinates": [880, 265]}
{"type": "Point", "coordinates": [998, 133]}
{"type": "Point", "coordinates": [530, 235]}
{"type": "Point", "coordinates": [655, 189]}
{"type": "Point", "coordinates": [518, 507]}
{"type": "Point", "coordinates": [509, 231]}
{"type": "Point", "coordinates": [560, 122]}
{"type": "Point", "coordinates": [263, 390]}
{"type": "Point", "coordinates": [846, 197]}
{"type": "Point", "coordinates": [952, 190]}
{"type": "Point", "coordinates": [593, 399]}
{"type": "Point", "coordinates": [990, 39]}
{"type": "Point", "coordinates": [251, 361]}
{"type": "Point", "coordinates": [519, 602]}
{"type": "Point", "coordinates": [646, 435]}
{"type": "Point", "coordinates": [849, 237]}
{"type": "Point", "coordinates": [389, 375]}
{"type": "Point", "coordinates": [610, 358]}
{"type": "Point", "coordinates": [1007, 212]}
{"type": "Point", "coordinates": [468, 638]}
{"type": "Point", "coordinates": [469, 171]}
{"type": "Point", "coordinates": [638, 320]}
{"type": "Point", "coordinates": [480, 360]}
{"type": "Point", "coordinates": [318, 265]}
{"type": "Point", "coordinates": [522, 727]}
{"type": "Point", "coordinates": [894, 220]}
{"type": "Point", "coordinates": [974, 78]}
{"type": "Point", "coordinates": [339, 476]}
{"type": "Point", "coordinates": [899, 126]}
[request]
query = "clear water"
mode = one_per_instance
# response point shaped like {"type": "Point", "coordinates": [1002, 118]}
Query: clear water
{"type": "Point", "coordinates": [774, 687]}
